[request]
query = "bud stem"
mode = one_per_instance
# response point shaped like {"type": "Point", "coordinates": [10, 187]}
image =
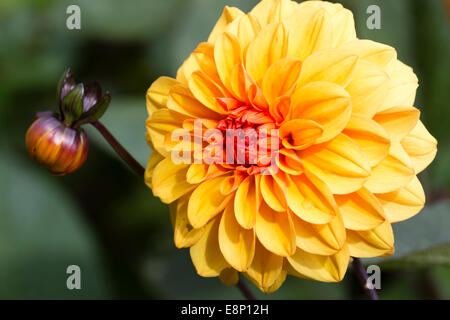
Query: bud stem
{"type": "Point", "coordinates": [245, 290]}
{"type": "Point", "coordinates": [120, 150]}
{"type": "Point", "coordinates": [361, 274]}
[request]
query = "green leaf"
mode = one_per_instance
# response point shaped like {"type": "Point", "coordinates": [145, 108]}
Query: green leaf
{"type": "Point", "coordinates": [60, 86]}
{"type": "Point", "coordinates": [96, 112]}
{"type": "Point", "coordinates": [72, 105]}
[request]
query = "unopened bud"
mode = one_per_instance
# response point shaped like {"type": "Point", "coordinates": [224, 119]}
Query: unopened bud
{"type": "Point", "coordinates": [60, 148]}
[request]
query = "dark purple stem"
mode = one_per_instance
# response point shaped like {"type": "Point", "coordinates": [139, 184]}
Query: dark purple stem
{"type": "Point", "coordinates": [124, 154]}
{"type": "Point", "coordinates": [361, 274]}
{"type": "Point", "coordinates": [245, 290]}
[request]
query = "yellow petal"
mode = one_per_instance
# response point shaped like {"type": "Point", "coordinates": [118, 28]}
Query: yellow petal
{"type": "Point", "coordinates": [368, 88]}
{"type": "Point", "coordinates": [169, 181]}
{"type": "Point", "coordinates": [229, 14]}
{"type": "Point", "coordinates": [403, 203]}
{"type": "Point", "coordinates": [360, 210]}
{"type": "Point", "coordinates": [245, 29]}
{"type": "Point", "coordinates": [280, 78]}
{"type": "Point", "coordinates": [321, 268]}
{"type": "Point", "coordinates": [323, 239]}
{"type": "Point", "coordinates": [153, 161]}
{"type": "Point", "coordinates": [182, 101]}
{"type": "Point", "coordinates": [371, 137]}
{"type": "Point", "coordinates": [299, 134]}
{"type": "Point", "coordinates": [206, 255]}
{"type": "Point", "coordinates": [374, 52]}
{"type": "Point", "coordinates": [265, 268]}
{"type": "Point", "coordinates": [268, 11]}
{"type": "Point", "coordinates": [206, 91]}
{"type": "Point", "coordinates": [398, 121]}
{"type": "Point", "coordinates": [236, 243]}
{"type": "Point", "coordinates": [165, 120]}
{"type": "Point", "coordinates": [329, 65]}
{"type": "Point", "coordinates": [340, 163]}
{"type": "Point", "coordinates": [343, 27]}
{"type": "Point", "coordinates": [229, 277]}
{"type": "Point", "coordinates": [206, 202]}
{"type": "Point", "coordinates": [421, 147]}
{"type": "Point", "coordinates": [275, 231]}
{"type": "Point", "coordinates": [277, 284]}
{"type": "Point", "coordinates": [245, 205]}
{"type": "Point", "coordinates": [184, 234]}
{"type": "Point", "coordinates": [326, 103]}
{"type": "Point", "coordinates": [402, 86]}
{"type": "Point", "coordinates": [371, 243]}
{"type": "Point", "coordinates": [269, 46]}
{"type": "Point", "coordinates": [309, 32]}
{"type": "Point", "coordinates": [157, 94]}
{"type": "Point", "coordinates": [272, 194]}
{"type": "Point", "coordinates": [289, 162]}
{"type": "Point", "coordinates": [393, 172]}
{"type": "Point", "coordinates": [227, 54]}
{"type": "Point", "coordinates": [309, 198]}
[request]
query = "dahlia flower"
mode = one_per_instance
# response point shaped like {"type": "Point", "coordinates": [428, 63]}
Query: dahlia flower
{"type": "Point", "coordinates": [347, 148]}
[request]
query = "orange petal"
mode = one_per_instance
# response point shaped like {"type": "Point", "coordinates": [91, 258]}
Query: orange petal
{"type": "Point", "coordinates": [206, 91]}
{"type": "Point", "coordinates": [326, 103]}
{"type": "Point", "coordinates": [227, 54]}
{"type": "Point", "coordinates": [289, 162]}
{"type": "Point", "coordinates": [275, 231]}
{"type": "Point", "coordinates": [299, 134]}
{"type": "Point", "coordinates": [340, 163]}
{"type": "Point", "coordinates": [272, 193]}
{"type": "Point", "coordinates": [236, 243]}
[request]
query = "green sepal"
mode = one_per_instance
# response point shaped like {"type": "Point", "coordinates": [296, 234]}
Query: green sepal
{"type": "Point", "coordinates": [96, 112]}
{"type": "Point", "coordinates": [72, 105]}
{"type": "Point", "coordinates": [60, 86]}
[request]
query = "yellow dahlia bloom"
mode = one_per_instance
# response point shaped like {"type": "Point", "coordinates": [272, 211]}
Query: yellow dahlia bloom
{"type": "Point", "coordinates": [350, 145]}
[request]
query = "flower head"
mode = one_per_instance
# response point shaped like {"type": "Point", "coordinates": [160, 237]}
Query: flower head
{"type": "Point", "coordinates": [338, 145]}
{"type": "Point", "coordinates": [56, 140]}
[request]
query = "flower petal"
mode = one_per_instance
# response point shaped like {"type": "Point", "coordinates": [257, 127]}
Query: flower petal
{"type": "Point", "coordinates": [229, 14]}
{"type": "Point", "coordinates": [403, 203]}
{"type": "Point", "coordinates": [245, 206]}
{"type": "Point", "coordinates": [323, 239]}
{"type": "Point", "coordinates": [206, 255]}
{"type": "Point", "coordinates": [396, 168]}
{"type": "Point", "coordinates": [299, 134]}
{"type": "Point", "coordinates": [272, 193]}
{"type": "Point", "coordinates": [398, 121]}
{"type": "Point", "coordinates": [236, 243]}
{"type": "Point", "coordinates": [360, 210]}
{"type": "Point", "coordinates": [378, 242]}
{"type": "Point", "coordinates": [326, 103]}
{"type": "Point", "coordinates": [206, 202]}
{"type": "Point", "coordinates": [184, 235]}
{"type": "Point", "coordinates": [329, 65]}
{"type": "Point", "coordinates": [280, 78]}
{"type": "Point", "coordinates": [227, 54]}
{"type": "Point", "coordinates": [421, 147]}
{"type": "Point", "coordinates": [169, 181]}
{"type": "Point", "coordinates": [320, 268]}
{"type": "Point", "coordinates": [269, 46]}
{"type": "Point", "coordinates": [370, 136]}
{"type": "Point", "coordinates": [266, 267]}
{"type": "Point", "coordinates": [340, 163]}
{"type": "Point", "coordinates": [206, 91]}
{"type": "Point", "coordinates": [157, 94]}
{"type": "Point", "coordinates": [275, 231]}
{"type": "Point", "coordinates": [374, 52]}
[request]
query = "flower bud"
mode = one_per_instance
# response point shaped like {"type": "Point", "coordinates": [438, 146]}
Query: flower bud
{"type": "Point", "coordinates": [60, 148]}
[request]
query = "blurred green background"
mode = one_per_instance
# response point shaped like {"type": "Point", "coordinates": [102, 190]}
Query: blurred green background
{"type": "Point", "coordinates": [104, 219]}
